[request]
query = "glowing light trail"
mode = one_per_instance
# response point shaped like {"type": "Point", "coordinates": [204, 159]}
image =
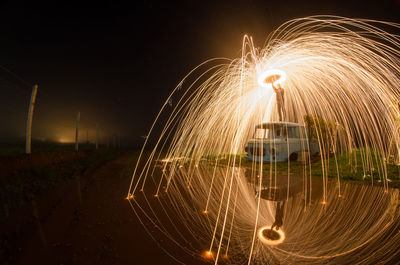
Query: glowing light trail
{"type": "Point", "coordinates": [267, 78]}
{"type": "Point", "coordinates": [341, 80]}
{"type": "Point", "coordinates": [270, 241]}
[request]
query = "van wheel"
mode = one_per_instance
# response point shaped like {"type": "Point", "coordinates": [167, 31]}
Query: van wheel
{"type": "Point", "coordinates": [293, 157]}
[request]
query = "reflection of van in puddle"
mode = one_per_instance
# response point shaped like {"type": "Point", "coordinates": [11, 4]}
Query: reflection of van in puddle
{"type": "Point", "coordinates": [279, 141]}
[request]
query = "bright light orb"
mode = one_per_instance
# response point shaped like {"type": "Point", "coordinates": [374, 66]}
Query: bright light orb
{"type": "Point", "coordinates": [269, 77]}
{"type": "Point", "coordinates": [208, 255]}
{"type": "Point", "coordinates": [268, 241]}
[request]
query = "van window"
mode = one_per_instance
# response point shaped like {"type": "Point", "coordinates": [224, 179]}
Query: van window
{"type": "Point", "coordinates": [260, 133]}
{"type": "Point", "coordinates": [293, 132]}
{"type": "Point", "coordinates": [303, 133]}
{"type": "Point", "coordinates": [285, 131]}
{"type": "Point", "coordinates": [278, 132]}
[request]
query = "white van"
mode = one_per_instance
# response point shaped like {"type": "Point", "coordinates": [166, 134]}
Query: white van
{"type": "Point", "coordinates": [279, 141]}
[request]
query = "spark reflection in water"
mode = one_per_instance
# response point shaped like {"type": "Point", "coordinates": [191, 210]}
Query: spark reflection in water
{"type": "Point", "coordinates": [200, 194]}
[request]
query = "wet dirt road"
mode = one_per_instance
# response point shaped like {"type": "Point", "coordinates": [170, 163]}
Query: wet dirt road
{"type": "Point", "coordinates": [91, 223]}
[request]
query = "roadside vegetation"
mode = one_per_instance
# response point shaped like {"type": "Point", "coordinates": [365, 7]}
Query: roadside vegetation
{"type": "Point", "coordinates": [349, 166]}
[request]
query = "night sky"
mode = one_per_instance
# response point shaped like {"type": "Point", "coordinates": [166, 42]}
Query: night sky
{"type": "Point", "coordinates": [117, 61]}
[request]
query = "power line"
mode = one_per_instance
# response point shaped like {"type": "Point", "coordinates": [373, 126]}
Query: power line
{"type": "Point", "coordinates": [27, 85]}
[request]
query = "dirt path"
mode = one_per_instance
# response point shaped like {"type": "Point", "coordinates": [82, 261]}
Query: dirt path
{"type": "Point", "coordinates": [96, 226]}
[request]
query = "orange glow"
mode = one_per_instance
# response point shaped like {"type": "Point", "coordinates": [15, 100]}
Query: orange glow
{"type": "Point", "coordinates": [262, 77]}
{"type": "Point", "coordinates": [267, 241]}
{"type": "Point", "coordinates": [65, 140]}
{"type": "Point", "coordinates": [130, 197]}
{"type": "Point", "coordinates": [208, 255]}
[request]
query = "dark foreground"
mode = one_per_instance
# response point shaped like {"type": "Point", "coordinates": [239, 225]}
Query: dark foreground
{"type": "Point", "coordinates": [87, 220]}
{"type": "Point", "coordinates": [84, 221]}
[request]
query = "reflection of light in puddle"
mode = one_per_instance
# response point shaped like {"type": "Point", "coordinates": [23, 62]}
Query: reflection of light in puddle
{"type": "Point", "coordinates": [269, 241]}
{"type": "Point", "coordinates": [208, 255]}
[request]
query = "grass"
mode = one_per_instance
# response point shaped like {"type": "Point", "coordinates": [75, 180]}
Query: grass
{"type": "Point", "coordinates": [349, 166]}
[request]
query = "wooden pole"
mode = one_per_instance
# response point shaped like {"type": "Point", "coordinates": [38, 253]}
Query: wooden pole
{"type": "Point", "coordinates": [78, 117]}
{"type": "Point", "coordinates": [29, 120]}
{"type": "Point", "coordinates": [97, 136]}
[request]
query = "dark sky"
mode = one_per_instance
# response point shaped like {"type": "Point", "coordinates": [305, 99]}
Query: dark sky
{"type": "Point", "coordinates": [117, 61]}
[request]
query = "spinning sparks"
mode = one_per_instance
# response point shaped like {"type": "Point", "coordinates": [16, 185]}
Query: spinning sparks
{"type": "Point", "coordinates": [270, 236]}
{"type": "Point", "coordinates": [269, 77]}
{"type": "Point", "coordinates": [340, 79]}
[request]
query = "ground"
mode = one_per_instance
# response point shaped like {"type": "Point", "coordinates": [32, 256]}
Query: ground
{"type": "Point", "coordinates": [83, 220]}
{"type": "Point", "coordinates": [86, 221]}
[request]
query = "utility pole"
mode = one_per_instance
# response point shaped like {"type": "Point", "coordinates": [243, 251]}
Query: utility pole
{"type": "Point", "coordinates": [29, 120]}
{"type": "Point", "coordinates": [97, 136]}
{"type": "Point", "coordinates": [78, 117]}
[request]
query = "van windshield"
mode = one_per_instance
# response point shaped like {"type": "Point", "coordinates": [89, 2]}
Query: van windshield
{"type": "Point", "coordinates": [271, 132]}
{"type": "Point", "coordinates": [274, 131]}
